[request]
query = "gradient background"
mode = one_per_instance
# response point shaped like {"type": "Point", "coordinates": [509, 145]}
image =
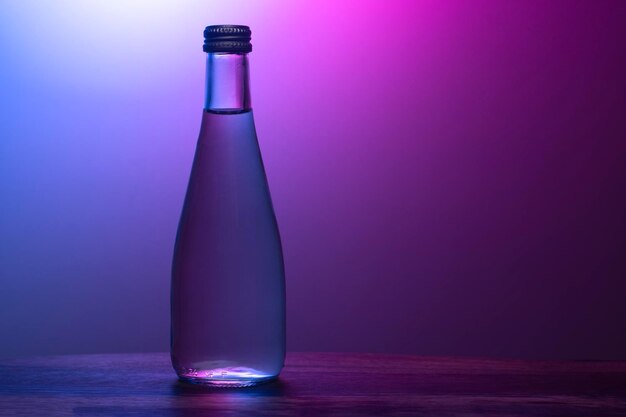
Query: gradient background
{"type": "Point", "coordinates": [449, 177]}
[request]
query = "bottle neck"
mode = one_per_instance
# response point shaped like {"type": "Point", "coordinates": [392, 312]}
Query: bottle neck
{"type": "Point", "coordinates": [227, 83]}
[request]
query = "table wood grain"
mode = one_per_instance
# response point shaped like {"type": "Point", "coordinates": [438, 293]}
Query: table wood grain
{"type": "Point", "coordinates": [316, 384]}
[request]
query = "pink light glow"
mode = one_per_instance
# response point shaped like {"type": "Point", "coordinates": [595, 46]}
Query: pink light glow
{"type": "Point", "coordinates": [451, 163]}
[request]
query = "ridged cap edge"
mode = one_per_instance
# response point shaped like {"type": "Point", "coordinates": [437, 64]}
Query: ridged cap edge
{"type": "Point", "coordinates": [227, 38]}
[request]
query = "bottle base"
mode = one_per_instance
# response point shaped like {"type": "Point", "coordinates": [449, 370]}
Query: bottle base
{"type": "Point", "coordinates": [225, 377]}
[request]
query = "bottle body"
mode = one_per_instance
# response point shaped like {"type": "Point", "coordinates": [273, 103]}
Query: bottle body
{"type": "Point", "coordinates": [228, 287]}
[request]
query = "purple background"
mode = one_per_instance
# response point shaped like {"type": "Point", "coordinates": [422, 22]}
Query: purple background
{"type": "Point", "coordinates": [449, 177]}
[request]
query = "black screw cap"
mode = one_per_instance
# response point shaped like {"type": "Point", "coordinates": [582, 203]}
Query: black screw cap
{"type": "Point", "coordinates": [227, 38]}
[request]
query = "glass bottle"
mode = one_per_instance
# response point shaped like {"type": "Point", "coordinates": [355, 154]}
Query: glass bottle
{"type": "Point", "coordinates": [228, 285]}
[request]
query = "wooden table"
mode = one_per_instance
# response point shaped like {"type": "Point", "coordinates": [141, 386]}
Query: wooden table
{"type": "Point", "coordinates": [316, 384]}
